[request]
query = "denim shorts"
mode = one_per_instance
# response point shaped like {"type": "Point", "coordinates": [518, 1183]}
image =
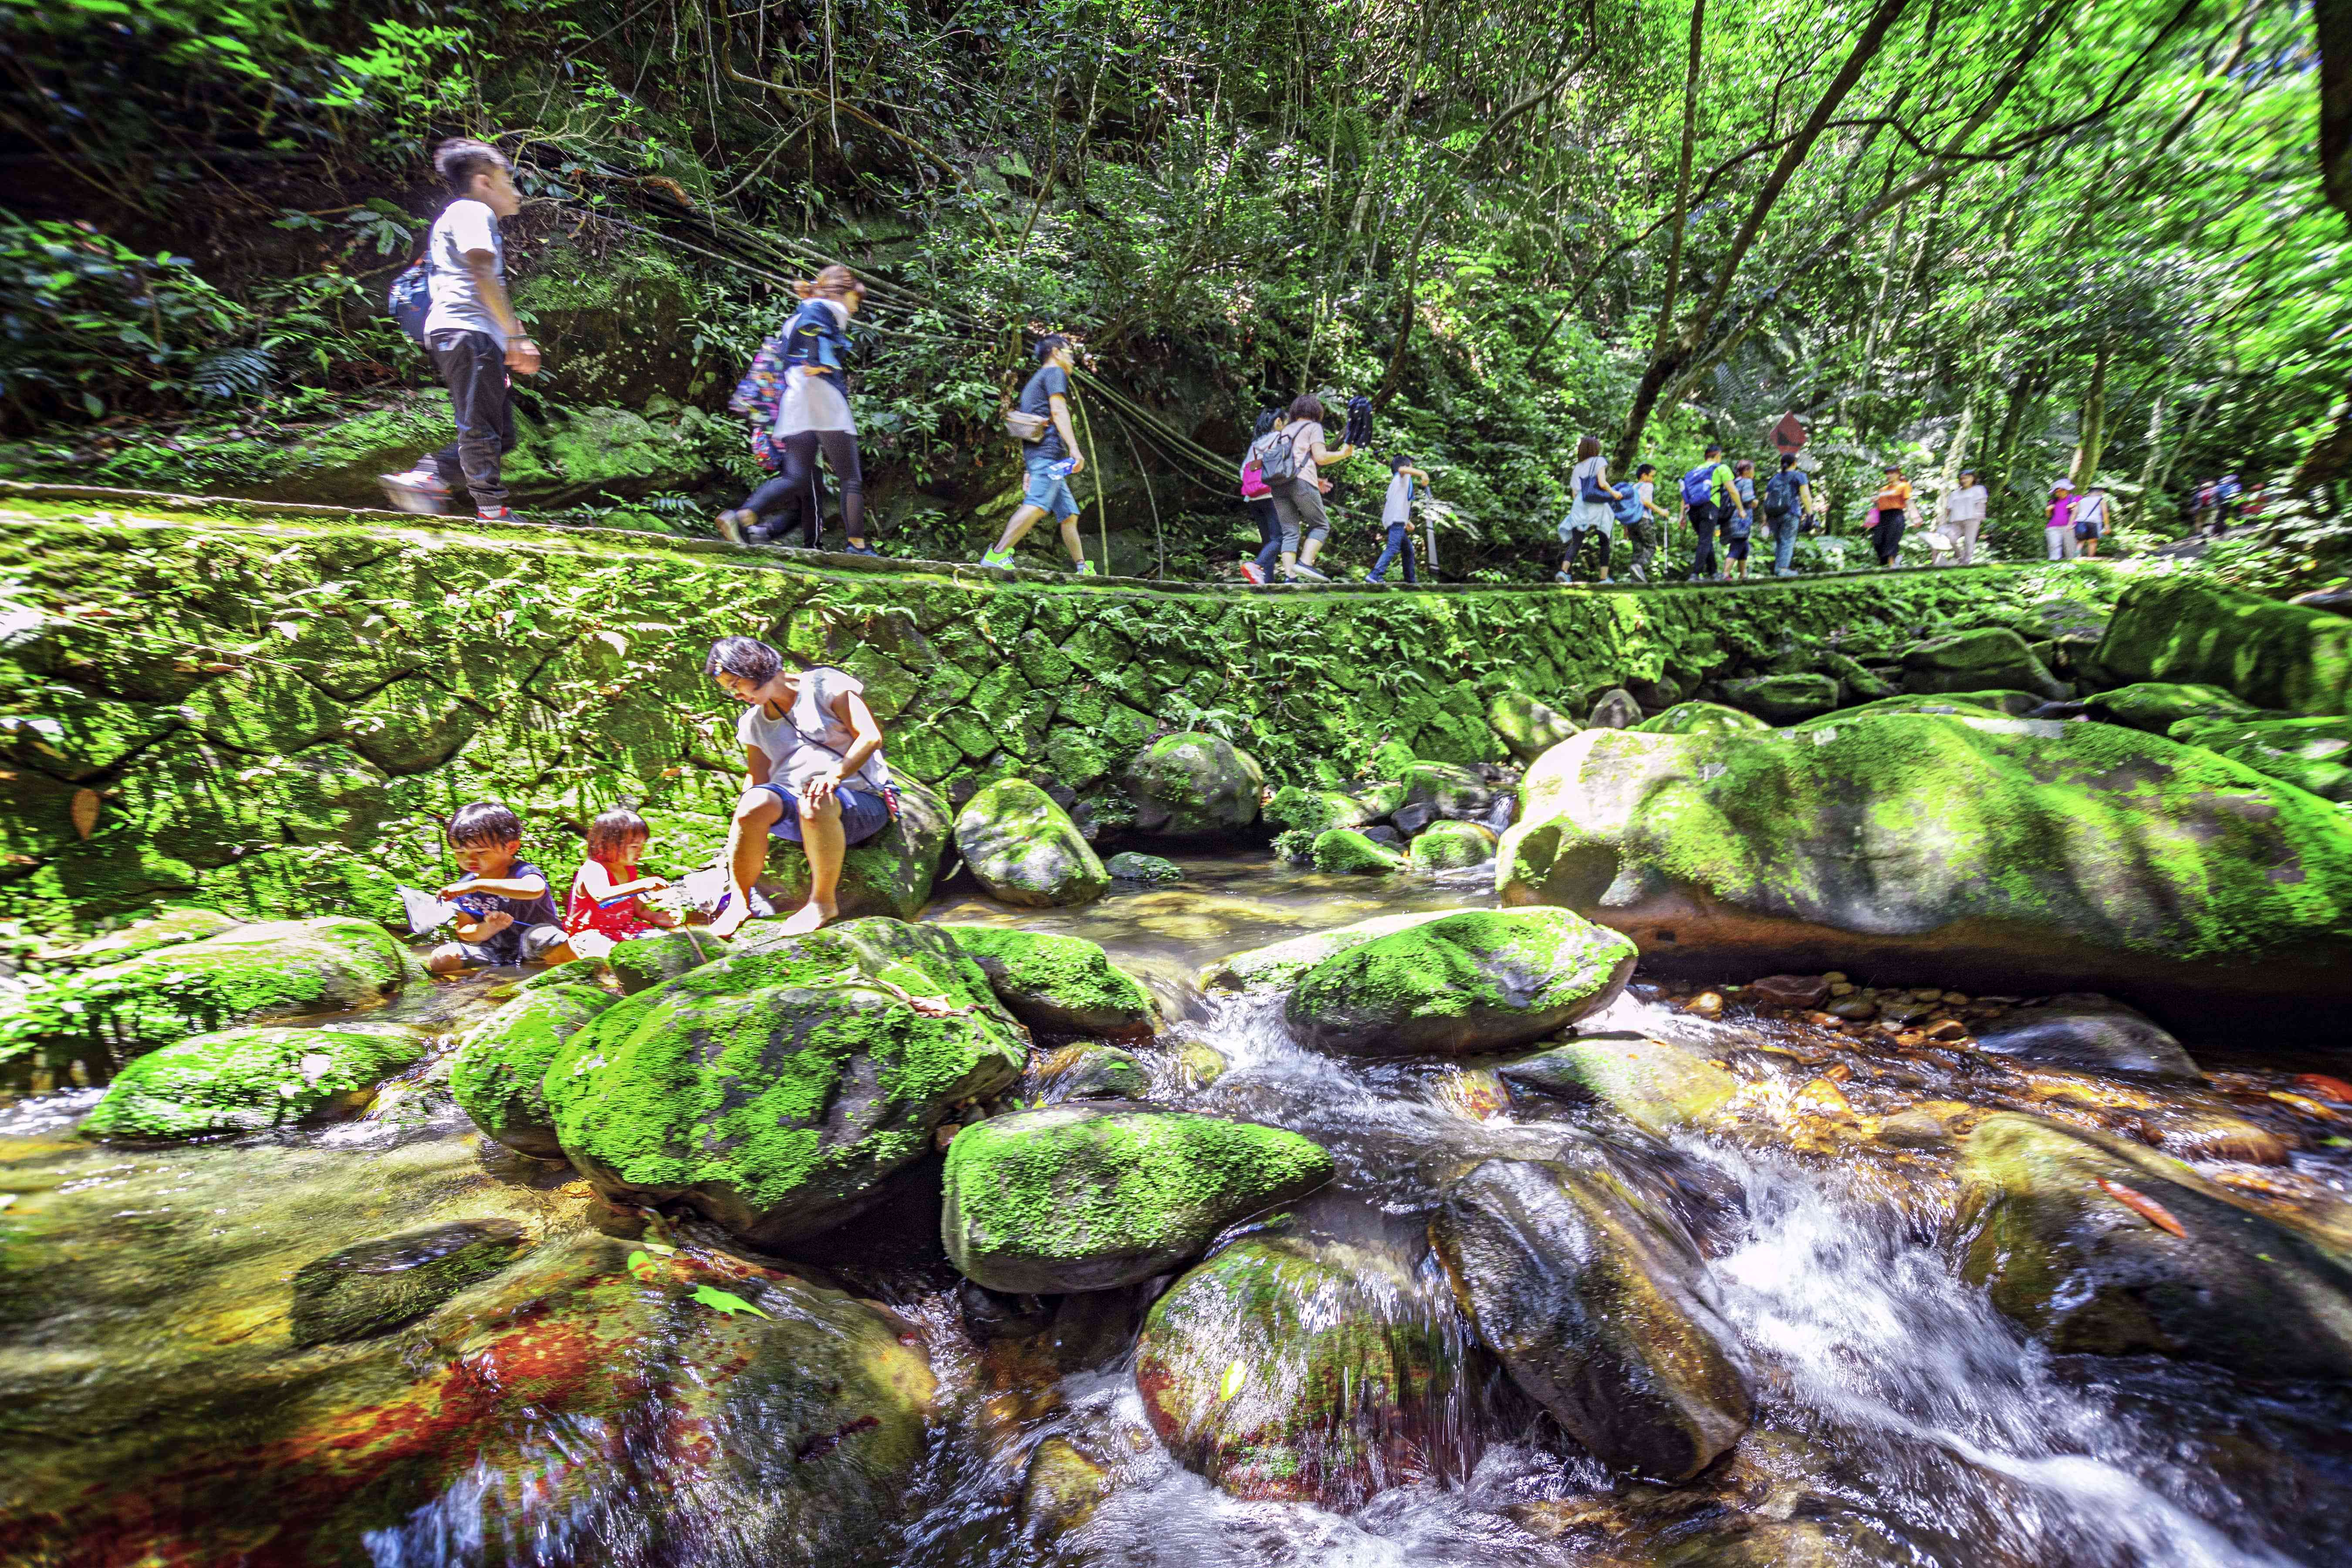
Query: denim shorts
{"type": "Point", "coordinates": [864, 813]}
{"type": "Point", "coordinates": [1049, 491]}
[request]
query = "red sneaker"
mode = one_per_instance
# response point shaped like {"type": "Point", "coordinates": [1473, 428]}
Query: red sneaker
{"type": "Point", "coordinates": [1254, 572]}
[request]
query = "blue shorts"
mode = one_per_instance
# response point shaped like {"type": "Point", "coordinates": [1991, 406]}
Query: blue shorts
{"type": "Point", "coordinates": [1047, 491]}
{"type": "Point", "coordinates": [864, 813]}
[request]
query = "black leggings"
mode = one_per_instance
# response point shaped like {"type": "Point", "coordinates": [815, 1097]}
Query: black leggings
{"type": "Point", "coordinates": [792, 481]}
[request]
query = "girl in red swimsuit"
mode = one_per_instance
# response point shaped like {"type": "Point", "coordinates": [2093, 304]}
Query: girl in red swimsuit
{"type": "Point", "coordinates": [603, 908]}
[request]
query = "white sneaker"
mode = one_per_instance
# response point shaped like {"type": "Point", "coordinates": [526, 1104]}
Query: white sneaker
{"type": "Point", "coordinates": [1312, 575]}
{"type": "Point", "coordinates": [419, 489]}
{"type": "Point", "coordinates": [1253, 572]}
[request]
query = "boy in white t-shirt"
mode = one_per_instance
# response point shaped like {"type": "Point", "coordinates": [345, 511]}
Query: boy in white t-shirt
{"type": "Point", "coordinates": [471, 333]}
{"type": "Point", "coordinates": [1396, 517]}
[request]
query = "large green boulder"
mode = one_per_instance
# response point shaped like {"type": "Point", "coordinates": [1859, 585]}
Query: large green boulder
{"type": "Point", "coordinates": [2155, 706]}
{"type": "Point", "coordinates": [497, 1074]}
{"type": "Point", "coordinates": [1444, 792]}
{"type": "Point", "coordinates": [1701, 719]}
{"type": "Point", "coordinates": [1478, 980]}
{"type": "Point", "coordinates": [252, 974]}
{"type": "Point", "coordinates": [1061, 985]}
{"type": "Point", "coordinates": [2268, 654]}
{"type": "Point", "coordinates": [776, 1089]}
{"type": "Point", "coordinates": [2314, 753]}
{"type": "Point", "coordinates": [1600, 1308]}
{"type": "Point", "coordinates": [1278, 965]}
{"type": "Point", "coordinates": [1783, 699]}
{"type": "Point", "coordinates": [1966, 704]}
{"type": "Point", "coordinates": [1071, 1198]}
{"type": "Point", "coordinates": [2102, 1246]}
{"type": "Point", "coordinates": [644, 962]}
{"type": "Point", "coordinates": [1451, 847]}
{"type": "Point", "coordinates": [247, 1080]}
{"type": "Point", "coordinates": [1302, 1371]}
{"type": "Point", "coordinates": [1023, 850]}
{"type": "Point", "coordinates": [1991, 854]}
{"type": "Point", "coordinates": [1316, 810]}
{"type": "Point", "coordinates": [1193, 785]}
{"type": "Point", "coordinates": [1343, 852]}
{"type": "Point", "coordinates": [889, 874]}
{"type": "Point", "coordinates": [168, 926]}
{"type": "Point", "coordinates": [1147, 869]}
{"type": "Point", "coordinates": [1989, 658]}
{"type": "Point", "coordinates": [1527, 727]}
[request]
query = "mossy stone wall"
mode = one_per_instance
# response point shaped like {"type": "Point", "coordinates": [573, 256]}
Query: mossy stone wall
{"type": "Point", "coordinates": [271, 711]}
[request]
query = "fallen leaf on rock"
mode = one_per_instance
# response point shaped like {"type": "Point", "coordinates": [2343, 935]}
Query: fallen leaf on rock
{"type": "Point", "coordinates": [2308, 1107]}
{"type": "Point", "coordinates": [2335, 1089]}
{"type": "Point", "coordinates": [2148, 1208]}
{"type": "Point", "coordinates": [85, 812]}
{"type": "Point", "coordinates": [720, 1300]}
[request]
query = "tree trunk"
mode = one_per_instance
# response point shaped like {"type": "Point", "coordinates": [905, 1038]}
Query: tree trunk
{"type": "Point", "coordinates": [2334, 22]}
{"type": "Point", "coordinates": [2173, 449]}
{"type": "Point", "coordinates": [2156, 412]}
{"type": "Point", "coordinates": [2093, 435]}
{"type": "Point", "coordinates": [1956, 455]}
{"type": "Point", "coordinates": [2330, 457]}
{"type": "Point", "coordinates": [2023, 392]}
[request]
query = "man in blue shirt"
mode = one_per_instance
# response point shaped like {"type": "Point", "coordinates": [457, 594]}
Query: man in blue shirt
{"type": "Point", "coordinates": [1051, 460]}
{"type": "Point", "coordinates": [1788, 495]}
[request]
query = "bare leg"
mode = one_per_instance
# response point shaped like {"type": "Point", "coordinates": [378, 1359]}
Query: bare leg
{"type": "Point", "coordinates": [822, 837]}
{"type": "Point", "coordinates": [1309, 550]}
{"type": "Point", "coordinates": [1070, 542]}
{"type": "Point", "coordinates": [747, 855]}
{"type": "Point", "coordinates": [1024, 518]}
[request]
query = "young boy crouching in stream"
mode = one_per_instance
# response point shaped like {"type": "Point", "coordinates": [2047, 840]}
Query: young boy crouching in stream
{"type": "Point", "coordinates": [507, 914]}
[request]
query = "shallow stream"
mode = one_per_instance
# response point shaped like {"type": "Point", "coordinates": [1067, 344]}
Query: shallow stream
{"type": "Point", "coordinates": [153, 1407]}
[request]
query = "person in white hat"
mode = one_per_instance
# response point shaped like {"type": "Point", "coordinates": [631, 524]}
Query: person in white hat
{"type": "Point", "coordinates": [2059, 531]}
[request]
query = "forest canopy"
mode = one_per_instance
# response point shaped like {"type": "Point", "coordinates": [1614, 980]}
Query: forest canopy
{"type": "Point", "coordinates": [2047, 238]}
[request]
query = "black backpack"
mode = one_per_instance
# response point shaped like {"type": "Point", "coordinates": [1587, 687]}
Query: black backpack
{"type": "Point", "coordinates": [411, 297]}
{"type": "Point", "coordinates": [1779, 498]}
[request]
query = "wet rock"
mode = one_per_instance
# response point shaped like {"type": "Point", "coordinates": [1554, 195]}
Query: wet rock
{"type": "Point", "coordinates": [1441, 791]}
{"type": "Point", "coordinates": [889, 874]}
{"type": "Point", "coordinates": [1062, 984]}
{"type": "Point", "coordinates": [1191, 784]}
{"type": "Point", "coordinates": [1202, 1063]}
{"type": "Point", "coordinates": [2269, 654]}
{"type": "Point", "coordinates": [1313, 811]}
{"type": "Point", "coordinates": [1060, 1490]}
{"type": "Point", "coordinates": [1844, 1541]}
{"type": "Point", "coordinates": [1659, 1086]}
{"type": "Point", "coordinates": [625, 1222]}
{"type": "Point", "coordinates": [2312, 754]}
{"type": "Point", "coordinates": [1990, 658]}
{"type": "Point", "coordinates": [776, 1089]}
{"type": "Point", "coordinates": [1527, 727]}
{"type": "Point", "coordinates": [1853, 1009]}
{"type": "Point", "coordinates": [247, 1080]}
{"type": "Point", "coordinates": [261, 973]}
{"type": "Point", "coordinates": [1083, 1072]}
{"type": "Point", "coordinates": [1917, 1128]}
{"type": "Point", "coordinates": [1343, 852]}
{"type": "Point", "coordinates": [1278, 966]}
{"type": "Point", "coordinates": [2098, 1246]}
{"type": "Point", "coordinates": [1701, 719]}
{"type": "Point", "coordinates": [361, 1291]}
{"type": "Point", "coordinates": [1078, 1199]}
{"type": "Point", "coordinates": [989, 1316]}
{"type": "Point", "coordinates": [642, 962]}
{"type": "Point", "coordinates": [1453, 847]}
{"type": "Point", "coordinates": [1302, 1369]}
{"type": "Point", "coordinates": [1131, 866]}
{"type": "Point", "coordinates": [2090, 1032]}
{"type": "Point", "coordinates": [1788, 991]}
{"type": "Point", "coordinates": [496, 1073]}
{"type": "Point", "coordinates": [1783, 699]}
{"type": "Point", "coordinates": [1023, 849]}
{"type": "Point", "coordinates": [2192, 1134]}
{"type": "Point", "coordinates": [2155, 706]}
{"type": "Point", "coordinates": [1473, 981]}
{"type": "Point", "coordinates": [2336, 601]}
{"type": "Point", "coordinates": [1601, 1309]}
{"type": "Point", "coordinates": [1614, 709]}
{"type": "Point", "coordinates": [1385, 837]}
{"type": "Point", "coordinates": [2069, 852]}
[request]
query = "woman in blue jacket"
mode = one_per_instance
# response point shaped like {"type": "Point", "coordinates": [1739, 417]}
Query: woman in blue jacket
{"type": "Point", "coordinates": [811, 415]}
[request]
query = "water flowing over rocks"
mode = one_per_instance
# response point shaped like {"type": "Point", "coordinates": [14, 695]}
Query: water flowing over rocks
{"type": "Point", "coordinates": [374, 1286]}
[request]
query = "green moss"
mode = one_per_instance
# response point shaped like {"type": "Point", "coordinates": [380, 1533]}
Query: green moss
{"type": "Point", "coordinates": [1023, 850]}
{"type": "Point", "coordinates": [1130, 867]}
{"type": "Point", "coordinates": [1279, 966]}
{"type": "Point", "coordinates": [2155, 706]}
{"type": "Point", "coordinates": [1453, 845]}
{"type": "Point", "coordinates": [1701, 719]}
{"type": "Point", "coordinates": [2312, 754]}
{"type": "Point", "coordinates": [245, 1080]}
{"type": "Point", "coordinates": [1065, 983]}
{"type": "Point", "coordinates": [1315, 810]}
{"type": "Point", "coordinates": [496, 1077]}
{"type": "Point", "coordinates": [1344, 852]}
{"type": "Point", "coordinates": [1070, 1195]}
{"type": "Point", "coordinates": [2265, 653]}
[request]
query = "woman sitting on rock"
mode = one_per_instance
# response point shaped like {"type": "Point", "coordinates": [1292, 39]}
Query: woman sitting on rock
{"type": "Point", "coordinates": [814, 751]}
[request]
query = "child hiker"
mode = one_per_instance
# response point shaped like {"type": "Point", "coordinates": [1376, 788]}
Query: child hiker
{"type": "Point", "coordinates": [506, 914]}
{"type": "Point", "coordinates": [1396, 517]}
{"type": "Point", "coordinates": [604, 910]}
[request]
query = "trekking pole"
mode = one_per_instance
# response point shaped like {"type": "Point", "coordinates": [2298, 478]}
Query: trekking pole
{"type": "Point", "coordinates": [1102, 519]}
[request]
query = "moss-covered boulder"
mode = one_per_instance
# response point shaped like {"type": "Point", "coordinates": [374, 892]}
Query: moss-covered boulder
{"type": "Point", "coordinates": [1062, 984]}
{"type": "Point", "coordinates": [1077, 1199]}
{"type": "Point", "coordinates": [1961, 704]}
{"type": "Point", "coordinates": [1993, 854]}
{"type": "Point", "coordinates": [2314, 753]}
{"type": "Point", "coordinates": [564, 457]}
{"type": "Point", "coordinates": [1856, 681]}
{"type": "Point", "coordinates": [1023, 850]}
{"type": "Point", "coordinates": [1600, 1308]}
{"type": "Point", "coordinates": [1989, 658]}
{"type": "Point", "coordinates": [2271, 654]}
{"type": "Point", "coordinates": [776, 1089]}
{"type": "Point", "coordinates": [2102, 1246]}
{"type": "Point", "coordinates": [373, 1287]}
{"type": "Point", "coordinates": [2155, 706]}
{"type": "Point", "coordinates": [1301, 1370]}
{"type": "Point", "coordinates": [1343, 852]}
{"type": "Point", "coordinates": [889, 874]}
{"type": "Point", "coordinates": [1318, 810]}
{"type": "Point", "coordinates": [1701, 719]}
{"type": "Point", "coordinates": [253, 973]}
{"type": "Point", "coordinates": [1613, 708]}
{"type": "Point", "coordinates": [645, 962]}
{"type": "Point", "coordinates": [1150, 869]}
{"type": "Point", "coordinates": [1443, 792]}
{"type": "Point", "coordinates": [1783, 699]}
{"type": "Point", "coordinates": [1453, 847]}
{"type": "Point", "coordinates": [247, 1080]}
{"type": "Point", "coordinates": [1659, 1086]}
{"type": "Point", "coordinates": [168, 926]}
{"type": "Point", "coordinates": [1192, 786]}
{"type": "Point", "coordinates": [1478, 980]}
{"type": "Point", "coordinates": [1527, 727]}
{"type": "Point", "coordinates": [1278, 965]}
{"type": "Point", "coordinates": [496, 1075]}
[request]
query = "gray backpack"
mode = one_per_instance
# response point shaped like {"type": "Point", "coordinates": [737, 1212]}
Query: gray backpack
{"type": "Point", "coordinates": [1278, 464]}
